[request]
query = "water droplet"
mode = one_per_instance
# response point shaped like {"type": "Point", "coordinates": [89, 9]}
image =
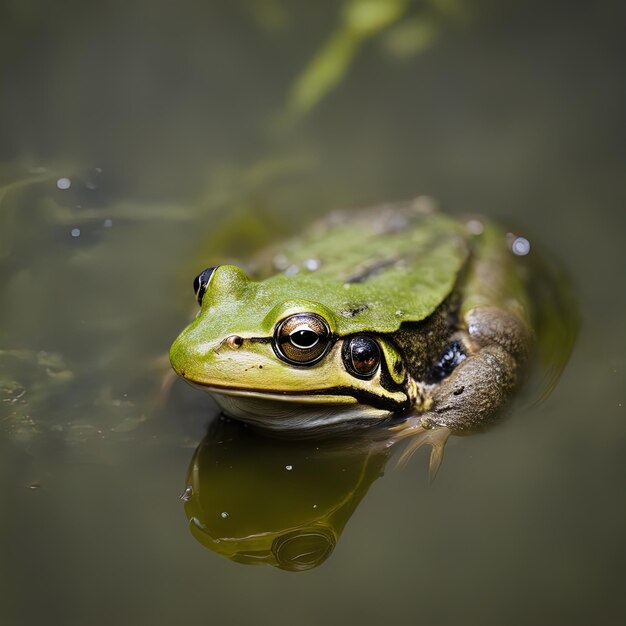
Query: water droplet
{"type": "Point", "coordinates": [475, 227]}
{"type": "Point", "coordinates": [399, 312]}
{"type": "Point", "coordinates": [75, 232]}
{"type": "Point", "coordinates": [288, 467]}
{"type": "Point", "coordinates": [521, 246]}
{"type": "Point", "coordinates": [223, 514]}
{"type": "Point", "coordinates": [292, 270]}
{"type": "Point", "coordinates": [64, 183]}
{"type": "Point", "coordinates": [312, 264]}
{"type": "Point", "coordinates": [280, 262]}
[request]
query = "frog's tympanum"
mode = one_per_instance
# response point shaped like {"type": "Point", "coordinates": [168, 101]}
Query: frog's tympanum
{"type": "Point", "coordinates": [263, 501]}
{"type": "Point", "coordinates": [393, 312]}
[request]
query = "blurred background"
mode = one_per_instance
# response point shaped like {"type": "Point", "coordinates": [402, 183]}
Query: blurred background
{"type": "Point", "coordinates": [143, 141]}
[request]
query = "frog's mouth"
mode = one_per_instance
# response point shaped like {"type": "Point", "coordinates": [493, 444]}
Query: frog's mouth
{"type": "Point", "coordinates": [312, 396]}
{"type": "Point", "coordinates": [325, 409]}
{"type": "Point", "coordinates": [339, 395]}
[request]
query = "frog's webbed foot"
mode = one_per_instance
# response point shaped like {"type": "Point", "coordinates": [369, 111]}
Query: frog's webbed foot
{"type": "Point", "coordinates": [418, 434]}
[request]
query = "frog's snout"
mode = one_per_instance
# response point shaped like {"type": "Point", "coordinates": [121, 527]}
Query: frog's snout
{"type": "Point", "coordinates": [193, 360]}
{"type": "Point", "coordinates": [185, 355]}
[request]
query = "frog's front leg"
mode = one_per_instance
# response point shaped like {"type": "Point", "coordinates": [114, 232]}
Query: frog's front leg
{"type": "Point", "coordinates": [495, 344]}
{"type": "Point", "coordinates": [494, 347]}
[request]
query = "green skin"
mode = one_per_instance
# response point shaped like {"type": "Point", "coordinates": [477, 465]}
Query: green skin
{"type": "Point", "coordinates": [409, 278]}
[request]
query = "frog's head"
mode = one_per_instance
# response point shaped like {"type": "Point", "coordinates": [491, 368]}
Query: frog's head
{"type": "Point", "coordinates": [279, 354]}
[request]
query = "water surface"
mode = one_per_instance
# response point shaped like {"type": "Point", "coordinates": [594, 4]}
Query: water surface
{"type": "Point", "coordinates": [184, 145]}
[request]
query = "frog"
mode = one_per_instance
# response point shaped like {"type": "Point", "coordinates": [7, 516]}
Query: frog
{"type": "Point", "coordinates": [397, 314]}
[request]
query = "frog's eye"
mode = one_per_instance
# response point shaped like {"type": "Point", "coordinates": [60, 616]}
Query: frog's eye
{"type": "Point", "coordinates": [201, 281]}
{"type": "Point", "coordinates": [302, 339]}
{"type": "Point", "coordinates": [361, 356]}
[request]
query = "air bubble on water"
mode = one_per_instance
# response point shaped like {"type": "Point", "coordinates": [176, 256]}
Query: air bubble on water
{"type": "Point", "coordinates": [475, 227]}
{"type": "Point", "coordinates": [520, 246]}
{"type": "Point", "coordinates": [186, 495]}
{"type": "Point", "coordinates": [312, 264]}
{"type": "Point", "coordinates": [91, 186]}
{"type": "Point", "coordinates": [64, 183]}
{"type": "Point", "coordinates": [288, 467]}
{"type": "Point", "coordinates": [75, 232]}
{"type": "Point", "coordinates": [108, 223]}
{"type": "Point", "coordinates": [223, 514]}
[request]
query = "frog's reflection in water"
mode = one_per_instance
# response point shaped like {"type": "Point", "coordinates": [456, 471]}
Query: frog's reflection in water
{"type": "Point", "coordinates": [258, 500]}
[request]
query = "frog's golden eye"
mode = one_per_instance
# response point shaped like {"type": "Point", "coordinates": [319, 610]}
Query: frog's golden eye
{"type": "Point", "coordinates": [201, 281]}
{"type": "Point", "coordinates": [361, 356]}
{"type": "Point", "coordinates": [302, 339]}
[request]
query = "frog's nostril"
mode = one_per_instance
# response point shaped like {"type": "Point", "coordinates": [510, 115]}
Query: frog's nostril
{"type": "Point", "coordinates": [232, 341]}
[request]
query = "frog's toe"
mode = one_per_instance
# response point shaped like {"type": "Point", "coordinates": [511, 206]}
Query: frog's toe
{"type": "Point", "coordinates": [418, 436]}
{"type": "Point", "coordinates": [402, 428]}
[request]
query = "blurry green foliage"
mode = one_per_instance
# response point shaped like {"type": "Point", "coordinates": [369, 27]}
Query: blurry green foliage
{"type": "Point", "coordinates": [416, 26]}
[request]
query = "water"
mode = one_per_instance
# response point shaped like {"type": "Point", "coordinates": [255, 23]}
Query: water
{"type": "Point", "coordinates": [183, 147]}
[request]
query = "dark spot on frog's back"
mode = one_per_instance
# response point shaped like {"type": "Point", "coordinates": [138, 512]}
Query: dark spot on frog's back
{"type": "Point", "coordinates": [370, 269]}
{"type": "Point", "coordinates": [354, 309]}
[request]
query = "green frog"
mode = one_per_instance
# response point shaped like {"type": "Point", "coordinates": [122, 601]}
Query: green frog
{"type": "Point", "coordinates": [397, 313]}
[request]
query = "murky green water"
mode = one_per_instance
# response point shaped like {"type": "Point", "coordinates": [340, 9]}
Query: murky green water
{"type": "Point", "coordinates": [191, 135]}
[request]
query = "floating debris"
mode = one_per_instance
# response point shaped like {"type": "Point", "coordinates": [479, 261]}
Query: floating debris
{"type": "Point", "coordinates": [187, 494]}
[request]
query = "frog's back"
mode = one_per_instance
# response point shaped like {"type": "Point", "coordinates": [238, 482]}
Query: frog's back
{"type": "Point", "coordinates": [390, 264]}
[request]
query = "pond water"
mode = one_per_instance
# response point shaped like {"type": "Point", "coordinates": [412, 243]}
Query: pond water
{"type": "Point", "coordinates": [143, 141]}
